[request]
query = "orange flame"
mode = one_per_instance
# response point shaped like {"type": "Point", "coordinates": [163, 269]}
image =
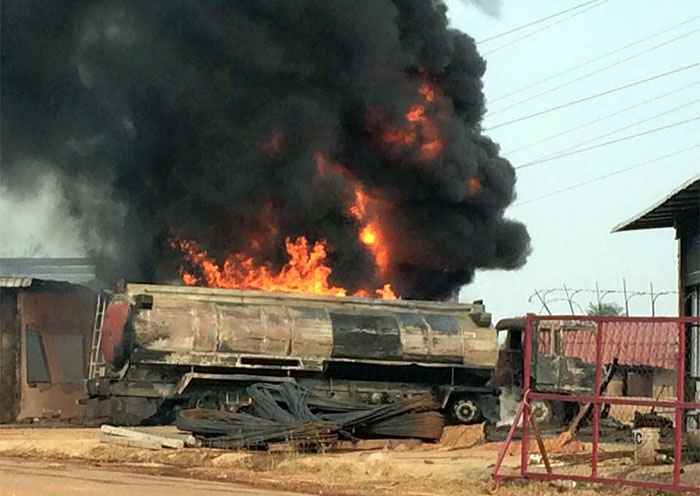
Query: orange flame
{"type": "Point", "coordinates": [370, 232]}
{"type": "Point", "coordinates": [363, 209]}
{"type": "Point", "coordinates": [427, 92]}
{"type": "Point", "coordinates": [273, 145]}
{"type": "Point", "coordinates": [386, 293]}
{"type": "Point", "coordinates": [305, 272]}
{"type": "Point", "coordinates": [474, 185]}
{"type": "Point", "coordinates": [368, 235]}
{"type": "Point", "coordinates": [420, 128]}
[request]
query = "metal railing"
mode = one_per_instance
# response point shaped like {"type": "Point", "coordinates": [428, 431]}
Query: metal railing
{"type": "Point", "coordinates": [636, 379]}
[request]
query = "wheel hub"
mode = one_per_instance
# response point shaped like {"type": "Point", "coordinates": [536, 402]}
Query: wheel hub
{"type": "Point", "coordinates": [465, 410]}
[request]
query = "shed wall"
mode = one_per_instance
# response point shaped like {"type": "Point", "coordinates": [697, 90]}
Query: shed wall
{"type": "Point", "coordinates": [9, 356]}
{"type": "Point", "coordinates": [64, 322]}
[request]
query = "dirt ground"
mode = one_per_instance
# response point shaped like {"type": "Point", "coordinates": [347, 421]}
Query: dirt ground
{"type": "Point", "coordinates": [409, 469]}
{"type": "Point", "coordinates": [23, 477]}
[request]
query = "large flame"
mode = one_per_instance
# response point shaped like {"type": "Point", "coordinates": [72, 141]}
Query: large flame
{"type": "Point", "coordinates": [370, 231]}
{"type": "Point", "coordinates": [364, 209]}
{"type": "Point", "coordinates": [306, 271]}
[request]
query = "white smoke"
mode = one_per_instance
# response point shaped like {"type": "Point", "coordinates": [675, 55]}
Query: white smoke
{"type": "Point", "coordinates": [38, 224]}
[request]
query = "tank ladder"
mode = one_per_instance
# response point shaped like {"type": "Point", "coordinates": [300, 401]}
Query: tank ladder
{"type": "Point", "coordinates": [95, 352]}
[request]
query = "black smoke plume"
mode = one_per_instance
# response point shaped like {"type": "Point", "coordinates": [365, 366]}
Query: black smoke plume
{"type": "Point", "coordinates": [203, 119]}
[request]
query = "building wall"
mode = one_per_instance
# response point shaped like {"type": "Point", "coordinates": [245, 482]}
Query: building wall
{"type": "Point", "coordinates": [688, 233]}
{"type": "Point", "coordinates": [9, 356]}
{"type": "Point", "coordinates": [64, 321]}
{"type": "Point", "coordinates": [658, 384]}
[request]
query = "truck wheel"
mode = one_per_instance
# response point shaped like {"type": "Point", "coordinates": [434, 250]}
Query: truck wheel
{"type": "Point", "coordinates": [541, 412]}
{"type": "Point", "coordinates": [465, 411]}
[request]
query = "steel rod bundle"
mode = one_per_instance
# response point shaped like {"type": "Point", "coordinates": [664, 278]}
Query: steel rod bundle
{"type": "Point", "coordinates": [289, 413]}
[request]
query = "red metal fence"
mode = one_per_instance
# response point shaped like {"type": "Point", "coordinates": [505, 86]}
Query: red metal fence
{"type": "Point", "coordinates": [617, 385]}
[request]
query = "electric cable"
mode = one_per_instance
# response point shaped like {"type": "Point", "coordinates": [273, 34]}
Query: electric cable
{"type": "Point", "coordinates": [537, 21]}
{"type": "Point", "coordinates": [593, 73]}
{"type": "Point", "coordinates": [624, 128]}
{"type": "Point", "coordinates": [605, 176]}
{"type": "Point", "coordinates": [599, 119]}
{"type": "Point", "coordinates": [591, 97]}
{"type": "Point", "coordinates": [532, 33]}
{"type": "Point", "coordinates": [600, 145]}
{"type": "Point", "coordinates": [595, 59]}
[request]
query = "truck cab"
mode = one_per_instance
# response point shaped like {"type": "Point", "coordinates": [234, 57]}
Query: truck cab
{"type": "Point", "coordinates": [552, 371]}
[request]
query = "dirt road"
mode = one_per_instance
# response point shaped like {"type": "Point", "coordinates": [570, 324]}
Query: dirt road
{"type": "Point", "coordinates": [41, 461]}
{"type": "Point", "coordinates": [28, 478]}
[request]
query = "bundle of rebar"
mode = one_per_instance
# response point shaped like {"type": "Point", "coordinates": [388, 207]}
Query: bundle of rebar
{"type": "Point", "coordinates": [240, 430]}
{"type": "Point", "coordinates": [289, 413]}
{"type": "Point", "coordinates": [419, 425]}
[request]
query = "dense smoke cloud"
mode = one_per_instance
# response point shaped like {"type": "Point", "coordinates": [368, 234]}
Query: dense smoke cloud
{"type": "Point", "coordinates": [206, 120]}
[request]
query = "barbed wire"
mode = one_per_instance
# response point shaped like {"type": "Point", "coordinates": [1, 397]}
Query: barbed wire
{"type": "Point", "coordinates": [568, 295]}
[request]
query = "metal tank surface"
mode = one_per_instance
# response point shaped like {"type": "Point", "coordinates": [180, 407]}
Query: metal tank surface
{"type": "Point", "coordinates": [215, 327]}
{"type": "Point", "coordinates": [192, 344]}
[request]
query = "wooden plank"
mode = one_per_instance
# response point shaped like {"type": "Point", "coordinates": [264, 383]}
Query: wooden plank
{"type": "Point", "coordinates": [133, 434]}
{"type": "Point", "coordinates": [169, 433]}
{"type": "Point", "coordinates": [128, 441]}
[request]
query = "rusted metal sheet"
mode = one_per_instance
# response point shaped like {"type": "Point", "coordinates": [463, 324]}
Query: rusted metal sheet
{"type": "Point", "coordinates": [312, 333]}
{"type": "Point", "coordinates": [9, 357]}
{"type": "Point", "coordinates": [224, 325]}
{"type": "Point", "coordinates": [358, 335]}
{"type": "Point", "coordinates": [651, 344]}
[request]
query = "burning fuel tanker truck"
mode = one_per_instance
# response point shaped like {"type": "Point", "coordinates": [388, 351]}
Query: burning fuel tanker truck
{"type": "Point", "coordinates": [175, 346]}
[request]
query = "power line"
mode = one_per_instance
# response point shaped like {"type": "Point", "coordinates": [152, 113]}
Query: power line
{"type": "Point", "coordinates": [591, 97]}
{"type": "Point", "coordinates": [536, 21]}
{"type": "Point", "coordinates": [532, 33]}
{"type": "Point", "coordinates": [595, 59]}
{"type": "Point", "coordinates": [599, 119]}
{"type": "Point", "coordinates": [623, 128]}
{"type": "Point", "coordinates": [605, 176]}
{"type": "Point", "coordinates": [597, 71]}
{"type": "Point", "coordinates": [624, 138]}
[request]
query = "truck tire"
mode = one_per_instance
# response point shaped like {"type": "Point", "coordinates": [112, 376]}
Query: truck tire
{"type": "Point", "coordinates": [464, 411]}
{"type": "Point", "coordinates": [542, 412]}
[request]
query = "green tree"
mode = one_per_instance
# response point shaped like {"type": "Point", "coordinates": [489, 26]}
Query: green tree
{"type": "Point", "coordinates": [604, 309]}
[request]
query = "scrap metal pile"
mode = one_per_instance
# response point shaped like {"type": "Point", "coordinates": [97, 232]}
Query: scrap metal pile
{"type": "Point", "coordinates": [289, 413]}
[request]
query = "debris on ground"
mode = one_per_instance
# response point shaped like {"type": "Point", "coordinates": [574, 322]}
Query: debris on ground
{"type": "Point", "coordinates": [462, 436]}
{"type": "Point", "coordinates": [138, 438]}
{"type": "Point", "coordinates": [287, 413]}
{"type": "Point", "coordinates": [563, 443]}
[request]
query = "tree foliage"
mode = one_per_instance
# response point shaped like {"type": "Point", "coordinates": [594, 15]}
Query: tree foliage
{"type": "Point", "coordinates": [604, 309]}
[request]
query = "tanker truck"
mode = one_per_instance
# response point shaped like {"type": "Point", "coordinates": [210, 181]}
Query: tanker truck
{"type": "Point", "coordinates": [167, 347]}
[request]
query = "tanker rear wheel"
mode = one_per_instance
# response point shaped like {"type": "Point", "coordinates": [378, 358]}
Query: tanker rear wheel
{"type": "Point", "coordinates": [464, 410]}
{"type": "Point", "coordinates": [542, 412]}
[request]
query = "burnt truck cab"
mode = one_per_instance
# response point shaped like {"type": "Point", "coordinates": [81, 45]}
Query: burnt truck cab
{"type": "Point", "coordinates": [176, 345]}
{"type": "Point", "coordinates": [552, 370]}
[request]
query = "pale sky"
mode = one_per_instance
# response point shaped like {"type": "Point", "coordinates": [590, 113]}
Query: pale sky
{"type": "Point", "coordinates": [572, 242]}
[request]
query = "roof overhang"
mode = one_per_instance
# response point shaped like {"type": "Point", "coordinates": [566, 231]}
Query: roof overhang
{"type": "Point", "coordinates": [681, 203]}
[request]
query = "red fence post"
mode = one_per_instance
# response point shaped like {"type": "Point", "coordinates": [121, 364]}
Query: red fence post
{"type": "Point", "coordinates": [527, 372]}
{"type": "Point", "coordinates": [596, 393]}
{"type": "Point", "coordinates": [680, 396]}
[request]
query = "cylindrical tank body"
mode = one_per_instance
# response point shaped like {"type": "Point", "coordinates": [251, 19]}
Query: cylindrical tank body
{"type": "Point", "coordinates": [220, 327]}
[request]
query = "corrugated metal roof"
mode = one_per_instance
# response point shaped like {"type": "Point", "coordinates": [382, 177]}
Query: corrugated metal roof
{"type": "Point", "coordinates": [73, 270]}
{"type": "Point", "coordinates": [632, 343]}
{"type": "Point", "coordinates": [15, 282]}
{"type": "Point", "coordinates": [684, 201]}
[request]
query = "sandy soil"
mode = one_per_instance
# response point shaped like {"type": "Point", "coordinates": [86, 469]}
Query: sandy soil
{"type": "Point", "coordinates": [22, 477]}
{"type": "Point", "coordinates": [407, 469]}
